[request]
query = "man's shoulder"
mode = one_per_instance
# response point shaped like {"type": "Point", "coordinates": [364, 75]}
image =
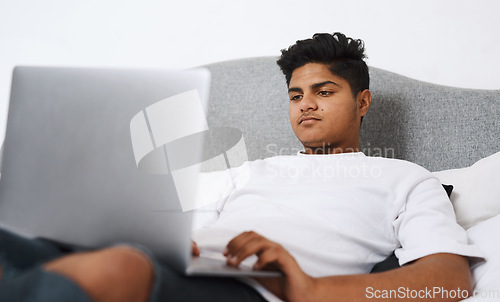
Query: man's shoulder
{"type": "Point", "coordinates": [395, 162]}
{"type": "Point", "coordinates": [402, 173]}
{"type": "Point", "coordinates": [398, 166]}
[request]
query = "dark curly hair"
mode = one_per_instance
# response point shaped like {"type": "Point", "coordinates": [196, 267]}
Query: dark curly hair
{"type": "Point", "coordinates": [343, 56]}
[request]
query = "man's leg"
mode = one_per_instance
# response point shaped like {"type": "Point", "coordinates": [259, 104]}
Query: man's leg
{"type": "Point", "coordinates": [119, 273]}
{"type": "Point", "coordinates": [174, 286]}
{"type": "Point", "coordinates": [37, 285]}
{"type": "Point", "coordinates": [21, 277]}
{"type": "Point", "coordinates": [18, 254]}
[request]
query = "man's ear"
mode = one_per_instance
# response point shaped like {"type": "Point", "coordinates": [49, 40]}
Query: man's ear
{"type": "Point", "coordinates": [364, 101]}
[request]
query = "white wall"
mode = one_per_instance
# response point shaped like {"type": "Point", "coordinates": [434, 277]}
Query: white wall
{"type": "Point", "coordinates": [450, 42]}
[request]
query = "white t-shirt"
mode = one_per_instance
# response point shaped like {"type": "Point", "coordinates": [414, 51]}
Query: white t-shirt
{"type": "Point", "coordinates": [338, 214]}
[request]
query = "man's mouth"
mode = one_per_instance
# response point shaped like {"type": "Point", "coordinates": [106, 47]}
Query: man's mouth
{"type": "Point", "coordinates": [308, 119]}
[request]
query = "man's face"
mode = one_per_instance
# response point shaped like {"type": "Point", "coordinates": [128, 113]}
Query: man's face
{"type": "Point", "coordinates": [323, 111]}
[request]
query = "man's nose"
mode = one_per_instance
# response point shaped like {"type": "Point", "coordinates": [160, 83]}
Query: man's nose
{"type": "Point", "coordinates": [308, 103]}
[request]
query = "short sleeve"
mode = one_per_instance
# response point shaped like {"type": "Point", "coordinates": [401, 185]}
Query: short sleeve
{"type": "Point", "coordinates": [214, 188]}
{"type": "Point", "coordinates": [427, 225]}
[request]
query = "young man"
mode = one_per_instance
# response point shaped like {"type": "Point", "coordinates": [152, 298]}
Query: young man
{"type": "Point", "coordinates": [323, 217]}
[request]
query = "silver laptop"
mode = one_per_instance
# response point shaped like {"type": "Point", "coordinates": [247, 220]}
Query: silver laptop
{"type": "Point", "coordinates": [82, 163]}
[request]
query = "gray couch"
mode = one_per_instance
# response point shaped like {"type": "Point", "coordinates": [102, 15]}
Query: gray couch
{"type": "Point", "coordinates": [435, 126]}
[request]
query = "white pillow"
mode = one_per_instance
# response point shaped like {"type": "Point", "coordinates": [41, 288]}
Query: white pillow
{"type": "Point", "coordinates": [476, 190]}
{"type": "Point", "coordinates": [486, 275]}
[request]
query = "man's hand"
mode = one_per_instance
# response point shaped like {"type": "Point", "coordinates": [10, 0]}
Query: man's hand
{"type": "Point", "coordinates": [294, 286]}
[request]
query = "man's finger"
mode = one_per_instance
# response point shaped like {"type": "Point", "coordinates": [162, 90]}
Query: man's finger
{"type": "Point", "coordinates": [195, 250]}
{"type": "Point", "coordinates": [269, 257]}
{"type": "Point", "coordinates": [245, 245]}
{"type": "Point", "coordinates": [240, 241]}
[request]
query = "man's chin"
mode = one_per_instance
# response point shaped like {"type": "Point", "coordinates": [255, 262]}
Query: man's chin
{"type": "Point", "coordinates": [313, 143]}
{"type": "Point", "coordinates": [322, 147]}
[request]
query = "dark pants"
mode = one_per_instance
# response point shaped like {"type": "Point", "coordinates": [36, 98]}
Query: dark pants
{"type": "Point", "coordinates": [23, 278]}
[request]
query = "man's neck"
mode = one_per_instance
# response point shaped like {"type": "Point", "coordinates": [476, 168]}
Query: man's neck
{"type": "Point", "coordinates": [329, 150]}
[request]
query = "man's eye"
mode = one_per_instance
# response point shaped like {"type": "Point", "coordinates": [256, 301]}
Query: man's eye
{"type": "Point", "coordinates": [295, 98]}
{"type": "Point", "coordinates": [325, 93]}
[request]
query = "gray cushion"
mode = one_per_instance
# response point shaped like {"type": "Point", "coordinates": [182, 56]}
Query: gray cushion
{"type": "Point", "coordinates": [435, 126]}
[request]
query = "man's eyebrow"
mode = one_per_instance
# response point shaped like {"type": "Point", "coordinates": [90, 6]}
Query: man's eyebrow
{"type": "Point", "coordinates": [313, 86]}
{"type": "Point", "coordinates": [324, 83]}
{"type": "Point", "coordinates": [294, 89]}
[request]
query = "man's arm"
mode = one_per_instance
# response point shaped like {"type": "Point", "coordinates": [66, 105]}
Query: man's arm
{"type": "Point", "coordinates": [438, 277]}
